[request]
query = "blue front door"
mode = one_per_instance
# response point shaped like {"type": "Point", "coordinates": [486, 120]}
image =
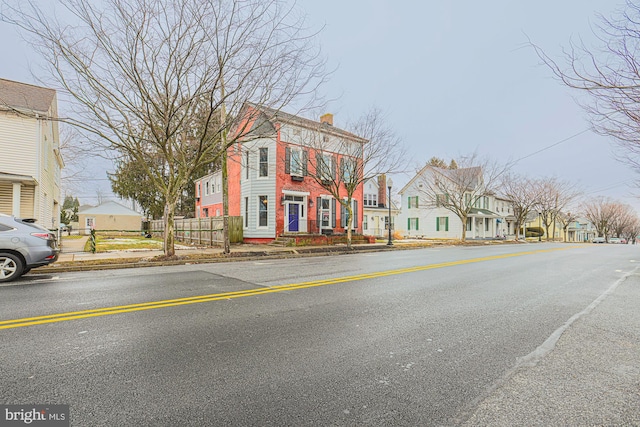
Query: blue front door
{"type": "Point", "coordinates": [293, 216]}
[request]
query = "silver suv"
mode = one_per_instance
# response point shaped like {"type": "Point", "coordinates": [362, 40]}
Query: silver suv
{"type": "Point", "coordinates": [24, 245]}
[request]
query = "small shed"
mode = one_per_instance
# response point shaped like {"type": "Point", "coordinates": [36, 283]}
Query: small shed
{"type": "Point", "coordinates": [109, 216]}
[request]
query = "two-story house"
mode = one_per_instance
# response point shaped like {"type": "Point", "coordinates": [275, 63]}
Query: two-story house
{"type": "Point", "coordinates": [270, 176]}
{"type": "Point", "coordinates": [375, 206]}
{"type": "Point", "coordinates": [426, 207]}
{"type": "Point", "coordinates": [30, 160]}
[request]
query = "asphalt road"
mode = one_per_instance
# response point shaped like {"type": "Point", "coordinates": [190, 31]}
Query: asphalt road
{"type": "Point", "coordinates": [419, 337]}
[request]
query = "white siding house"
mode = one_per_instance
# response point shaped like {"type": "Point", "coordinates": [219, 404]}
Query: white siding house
{"type": "Point", "coordinates": [30, 164]}
{"type": "Point", "coordinates": [424, 215]}
{"type": "Point", "coordinates": [375, 205]}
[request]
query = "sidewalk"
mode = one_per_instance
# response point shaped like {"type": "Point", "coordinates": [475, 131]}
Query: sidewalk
{"type": "Point", "coordinates": [73, 251]}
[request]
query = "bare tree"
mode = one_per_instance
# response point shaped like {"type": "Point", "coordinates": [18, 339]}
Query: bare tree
{"type": "Point", "coordinates": [600, 211]}
{"type": "Point", "coordinates": [623, 220]}
{"type": "Point", "coordinates": [463, 189]}
{"type": "Point", "coordinates": [609, 75]}
{"type": "Point", "coordinates": [168, 78]}
{"type": "Point", "coordinates": [343, 162]}
{"type": "Point", "coordinates": [553, 197]}
{"type": "Point", "coordinates": [523, 193]}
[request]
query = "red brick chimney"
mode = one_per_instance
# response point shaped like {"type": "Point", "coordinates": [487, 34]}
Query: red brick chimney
{"type": "Point", "coordinates": [327, 118]}
{"type": "Point", "coordinates": [382, 191]}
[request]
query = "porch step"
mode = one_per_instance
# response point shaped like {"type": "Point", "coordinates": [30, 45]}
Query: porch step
{"type": "Point", "coordinates": [282, 241]}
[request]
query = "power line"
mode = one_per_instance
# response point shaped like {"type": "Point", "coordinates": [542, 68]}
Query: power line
{"type": "Point", "coordinates": [550, 146]}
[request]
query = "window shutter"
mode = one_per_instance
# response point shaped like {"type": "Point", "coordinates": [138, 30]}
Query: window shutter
{"type": "Point", "coordinates": [305, 160]}
{"type": "Point", "coordinates": [409, 202]}
{"type": "Point", "coordinates": [287, 161]}
{"type": "Point", "coordinates": [437, 223]}
{"type": "Point", "coordinates": [409, 224]}
{"type": "Point", "coordinates": [355, 214]}
{"type": "Point", "coordinates": [416, 201]}
{"type": "Point", "coordinates": [343, 216]}
{"type": "Point", "coordinates": [333, 213]}
{"type": "Point", "coordinates": [446, 224]}
{"type": "Point", "coordinates": [318, 218]}
{"type": "Point", "coordinates": [334, 162]}
{"type": "Point", "coordinates": [417, 223]}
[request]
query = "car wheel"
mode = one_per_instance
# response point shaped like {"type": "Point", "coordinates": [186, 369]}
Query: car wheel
{"type": "Point", "coordinates": [10, 267]}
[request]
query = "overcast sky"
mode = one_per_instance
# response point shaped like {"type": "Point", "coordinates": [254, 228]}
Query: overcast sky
{"type": "Point", "coordinates": [454, 78]}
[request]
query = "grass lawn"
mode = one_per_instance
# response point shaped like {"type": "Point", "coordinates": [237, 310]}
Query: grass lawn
{"type": "Point", "coordinates": [119, 243]}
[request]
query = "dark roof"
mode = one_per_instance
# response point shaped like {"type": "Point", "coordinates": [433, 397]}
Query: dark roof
{"type": "Point", "coordinates": [25, 96]}
{"type": "Point", "coordinates": [274, 115]}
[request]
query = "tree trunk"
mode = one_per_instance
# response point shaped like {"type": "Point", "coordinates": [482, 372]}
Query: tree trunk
{"type": "Point", "coordinates": [169, 232]}
{"type": "Point", "coordinates": [464, 228]}
{"type": "Point", "coordinates": [225, 204]}
{"type": "Point", "coordinates": [349, 222]}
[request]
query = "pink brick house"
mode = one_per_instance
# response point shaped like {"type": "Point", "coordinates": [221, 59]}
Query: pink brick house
{"type": "Point", "coordinates": [269, 177]}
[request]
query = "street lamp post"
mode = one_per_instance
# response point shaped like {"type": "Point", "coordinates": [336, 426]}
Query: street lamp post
{"type": "Point", "coordinates": [389, 184]}
{"type": "Point", "coordinates": [540, 224]}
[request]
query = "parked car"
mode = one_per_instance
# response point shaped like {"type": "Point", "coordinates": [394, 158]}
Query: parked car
{"type": "Point", "coordinates": [615, 240]}
{"type": "Point", "coordinates": [599, 240]}
{"type": "Point", "coordinates": [24, 245]}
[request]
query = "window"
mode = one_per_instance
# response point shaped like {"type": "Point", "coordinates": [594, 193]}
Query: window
{"type": "Point", "coordinates": [262, 211]}
{"type": "Point", "coordinates": [347, 169]}
{"type": "Point", "coordinates": [442, 223]}
{"type": "Point", "coordinates": [442, 199]}
{"type": "Point", "coordinates": [206, 188]}
{"type": "Point", "coordinates": [296, 163]}
{"type": "Point", "coordinates": [365, 225]}
{"type": "Point", "coordinates": [486, 224]}
{"type": "Point", "coordinates": [344, 215]}
{"type": "Point", "coordinates": [371, 200]}
{"type": "Point", "coordinates": [325, 167]}
{"type": "Point", "coordinates": [469, 224]}
{"type": "Point", "coordinates": [413, 202]}
{"type": "Point", "coordinates": [413, 224]}
{"type": "Point", "coordinates": [264, 162]}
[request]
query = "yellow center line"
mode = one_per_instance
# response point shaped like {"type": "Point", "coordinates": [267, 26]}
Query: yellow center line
{"type": "Point", "coordinates": [105, 311]}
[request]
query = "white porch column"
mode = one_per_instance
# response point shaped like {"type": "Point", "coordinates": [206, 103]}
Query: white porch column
{"type": "Point", "coordinates": [15, 210]}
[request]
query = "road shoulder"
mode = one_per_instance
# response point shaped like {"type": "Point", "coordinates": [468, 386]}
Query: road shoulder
{"type": "Point", "coordinates": [592, 376]}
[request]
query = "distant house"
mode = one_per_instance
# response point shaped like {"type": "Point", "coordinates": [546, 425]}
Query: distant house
{"type": "Point", "coordinates": [375, 207]}
{"type": "Point", "coordinates": [30, 162]}
{"type": "Point", "coordinates": [109, 216]}
{"type": "Point", "coordinates": [425, 215]}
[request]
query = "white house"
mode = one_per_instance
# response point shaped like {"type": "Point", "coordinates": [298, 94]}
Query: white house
{"type": "Point", "coordinates": [375, 206]}
{"type": "Point", "coordinates": [30, 163]}
{"type": "Point", "coordinates": [425, 197]}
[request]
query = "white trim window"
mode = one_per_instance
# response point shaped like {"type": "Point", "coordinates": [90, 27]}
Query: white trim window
{"type": "Point", "coordinates": [263, 211]}
{"type": "Point", "coordinates": [263, 162]}
{"type": "Point", "coordinates": [371, 199]}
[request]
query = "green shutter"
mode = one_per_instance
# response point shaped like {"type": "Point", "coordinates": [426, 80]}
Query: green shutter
{"type": "Point", "coordinates": [446, 224]}
{"type": "Point", "coordinates": [437, 223]}
{"type": "Point", "coordinates": [416, 201]}
{"type": "Point", "coordinates": [417, 223]}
